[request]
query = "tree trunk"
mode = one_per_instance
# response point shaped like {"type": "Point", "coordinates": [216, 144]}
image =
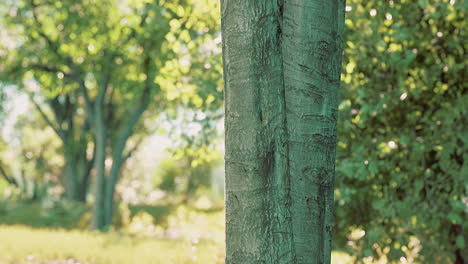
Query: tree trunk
{"type": "Point", "coordinates": [105, 186]}
{"type": "Point", "coordinates": [84, 180]}
{"type": "Point", "coordinates": [98, 222]}
{"type": "Point", "coordinates": [77, 166]}
{"type": "Point", "coordinates": [70, 178]}
{"type": "Point", "coordinates": [282, 62]}
{"type": "Point", "coordinates": [117, 156]}
{"type": "Point", "coordinates": [76, 171]}
{"type": "Point", "coordinates": [110, 190]}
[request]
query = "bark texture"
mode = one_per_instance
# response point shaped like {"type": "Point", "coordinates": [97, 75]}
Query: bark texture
{"type": "Point", "coordinates": [282, 62]}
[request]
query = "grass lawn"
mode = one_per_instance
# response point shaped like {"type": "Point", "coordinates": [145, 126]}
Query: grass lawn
{"type": "Point", "coordinates": [20, 244]}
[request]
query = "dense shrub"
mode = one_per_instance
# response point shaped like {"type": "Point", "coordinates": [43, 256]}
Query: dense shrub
{"type": "Point", "coordinates": [402, 145]}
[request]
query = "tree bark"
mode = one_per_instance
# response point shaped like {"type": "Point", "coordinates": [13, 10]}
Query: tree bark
{"type": "Point", "coordinates": [282, 62]}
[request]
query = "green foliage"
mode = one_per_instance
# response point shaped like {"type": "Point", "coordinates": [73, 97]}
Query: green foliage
{"type": "Point", "coordinates": [403, 149]}
{"type": "Point", "coordinates": [183, 176]}
{"type": "Point", "coordinates": [100, 65]}
{"type": "Point", "coordinates": [52, 214]}
{"type": "Point", "coordinates": [167, 174]}
{"type": "Point", "coordinates": [30, 160]}
{"type": "Point", "coordinates": [159, 214]}
{"type": "Point", "coordinates": [59, 41]}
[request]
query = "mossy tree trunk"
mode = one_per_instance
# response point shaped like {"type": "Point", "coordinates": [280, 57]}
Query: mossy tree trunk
{"type": "Point", "coordinates": [282, 62]}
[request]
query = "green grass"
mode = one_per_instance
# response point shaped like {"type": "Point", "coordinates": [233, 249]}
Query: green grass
{"type": "Point", "coordinates": [182, 235]}
{"type": "Point", "coordinates": [66, 215]}
{"type": "Point", "coordinates": [18, 244]}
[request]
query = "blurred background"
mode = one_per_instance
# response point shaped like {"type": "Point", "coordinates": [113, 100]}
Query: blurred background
{"type": "Point", "coordinates": [111, 125]}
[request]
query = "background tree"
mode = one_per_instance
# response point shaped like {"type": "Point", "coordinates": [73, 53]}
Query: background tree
{"type": "Point", "coordinates": [35, 65]}
{"type": "Point", "coordinates": [30, 162]}
{"type": "Point", "coordinates": [282, 64]}
{"type": "Point", "coordinates": [105, 63]}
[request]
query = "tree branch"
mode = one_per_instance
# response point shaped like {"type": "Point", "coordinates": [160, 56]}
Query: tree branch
{"type": "Point", "coordinates": [104, 82]}
{"type": "Point", "coordinates": [9, 179]}
{"type": "Point", "coordinates": [130, 152]}
{"type": "Point", "coordinates": [84, 91]}
{"type": "Point", "coordinates": [133, 119]}
{"type": "Point", "coordinates": [43, 67]}
{"type": "Point", "coordinates": [56, 128]}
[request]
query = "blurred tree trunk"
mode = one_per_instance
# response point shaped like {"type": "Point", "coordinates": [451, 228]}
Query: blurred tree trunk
{"type": "Point", "coordinates": [100, 166]}
{"type": "Point", "coordinates": [282, 62]}
{"type": "Point", "coordinates": [76, 175]}
{"type": "Point", "coordinates": [99, 128]}
{"type": "Point", "coordinates": [107, 179]}
{"type": "Point", "coordinates": [77, 169]}
{"type": "Point", "coordinates": [118, 157]}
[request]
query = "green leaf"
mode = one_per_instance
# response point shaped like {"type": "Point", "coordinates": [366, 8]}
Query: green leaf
{"type": "Point", "coordinates": [455, 218]}
{"type": "Point", "coordinates": [378, 204]}
{"type": "Point", "coordinates": [460, 242]}
{"type": "Point", "coordinates": [373, 167]}
{"type": "Point", "coordinates": [418, 185]}
{"type": "Point", "coordinates": [367, 252]}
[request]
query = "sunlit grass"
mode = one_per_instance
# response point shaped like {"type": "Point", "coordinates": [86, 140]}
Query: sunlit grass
{"type": "Point", "coordinates": [188, 237]}
{"type": "Point", "coordinates": [20, 244]}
